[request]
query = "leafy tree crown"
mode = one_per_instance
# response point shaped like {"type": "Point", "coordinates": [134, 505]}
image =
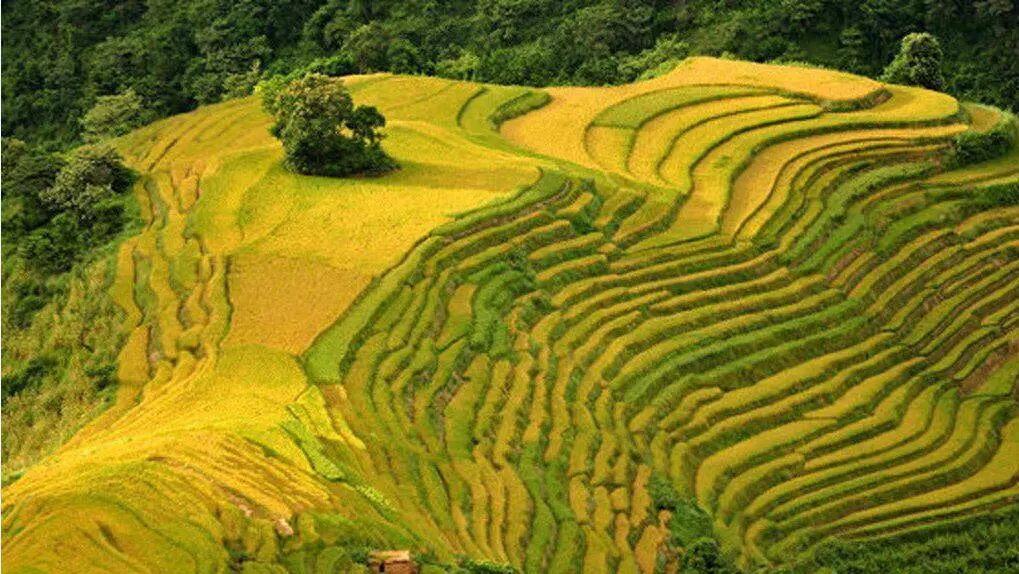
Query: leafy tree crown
{"type": "Point", "coordinates": [323, 131]}
{"type": "Point", "coordinates": [918, 63]}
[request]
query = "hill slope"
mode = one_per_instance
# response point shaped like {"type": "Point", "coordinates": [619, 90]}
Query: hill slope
{"type": "Point", "coordinates": [760, 283]}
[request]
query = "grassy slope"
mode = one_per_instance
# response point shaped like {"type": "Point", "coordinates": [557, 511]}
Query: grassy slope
{"type": "Point", "coordinates": [501, 384]}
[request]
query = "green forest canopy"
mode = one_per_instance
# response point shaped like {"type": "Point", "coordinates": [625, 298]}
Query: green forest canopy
{"type": "Point", "coordinates": [62, 55]}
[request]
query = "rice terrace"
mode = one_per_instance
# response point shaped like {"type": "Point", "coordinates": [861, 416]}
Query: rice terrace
{"type": "Point", "coordinates": [737, 317]}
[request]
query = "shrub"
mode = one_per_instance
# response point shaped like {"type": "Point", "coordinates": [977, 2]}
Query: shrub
{"type": "Point", "coordinates": [526, 102]}
{"type": "Point", "coordinates": [29, 295]}
{"type": "Point", "coordinates": [971, 543]}
{"type": "Point", "coordinates": [974, 147]}
{"type": "Point", "coordinates": [93, 174]}
{"type": "Point", "coordinates": [323, 133]}
{"type": "Point", "coordinates": [340, 64]}
{"type": "Point", "coordinates": [705, 557]}
{"type": "Point", "coordinates": [472, 566]}
{"type": "Point", "coordinates": [102, 371]}
{"type": "Point", "coordinates": [66, 213]}
{"type": "Point", "coordinates": [27, 174]}
{"type": "Point", "coordinates": [688, 524]}
{"type": "Point", "coordinates": [464, 67]}
{"type": "Point", "coordinates": [54, 247]}
{"type": "Point", "coordinates": [37, 369]}
{"type": "Point", "coordinates": [270, 88]}
{"type": "Point", "coordinates": [918, 63]}
{"type": "Point", "coordinates": [1004, 195]}
{"type": "Point", "coordinates": [663, 494]}
{"type": "Point", "coordinates": [241, 84]}
{"type": "Point", "coordinates": [112, 116]}
{"type": "Point", "coordinates": [668, 52]}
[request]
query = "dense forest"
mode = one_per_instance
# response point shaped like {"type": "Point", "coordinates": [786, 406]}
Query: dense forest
{"type": "Point", "coordinates": [61, 56]}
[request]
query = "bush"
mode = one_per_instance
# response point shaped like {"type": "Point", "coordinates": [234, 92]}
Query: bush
{"type": "Point", "coordinates": [918, 63]}
{"type": "Point", "coordinates": [705, 557]}
{"type": "Point", "coordinates": [93, 174]}
{"type": "Point", "coordinates": [323, 133]}
{"type": "Point", "coordinates": [472, 566]}
{"type": "Point", "coordinates": [27, 173]}
{"type": "Point", "coordinates": [1004, 195]}
{"type": "Point", "coordinates": [54, 247]}
{"type": "Point", "coordinates": [65, 207]}
{"type": "Point", "coordinates": [37, 369]}
{"type": "Point", "coordinates": [26, 297]}
{"type": "Point", "coordinates": [668, 52]}
{"type": "Point", "coordinates": [113, 116]}
{"type": "Point", "coordinates": [340, 64]}
{"type": "Point", "coordinates": [242, 84]}
{"type": "Point", "coordinates": [664, 495]}
{"type": "Point", "coordinates": [971, 543]}
{"type": "Point", "coordinates": [102, 372]}
{"type": "Point", "coordinates": [518, 106]}
{"type": "Point", "coordinates": [975, 147]}
{"type": "Point", "coordinates": [464, 67]}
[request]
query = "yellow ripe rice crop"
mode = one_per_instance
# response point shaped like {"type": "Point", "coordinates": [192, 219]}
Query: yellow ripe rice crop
{"type": "Point", "coordinates": [634, 112]}
{"type": "Point", "coordinates": [265, 310]}
{"type": "Point", "coordinates": [573, 109]}
{"type": "Point", "coordinates": [659, 136]}
{"type": "Point", "coordinates": [760, 296]}
{"type": "Point", "coordinates": [609, 146]}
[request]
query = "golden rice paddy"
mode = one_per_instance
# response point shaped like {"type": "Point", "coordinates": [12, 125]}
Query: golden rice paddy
{"type": "Point", "coordinates": [762, 285]}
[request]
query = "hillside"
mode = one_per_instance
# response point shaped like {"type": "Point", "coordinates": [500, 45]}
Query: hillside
{"type": "Point", "coordinates": [63, 56]}
{"type": "Point", "coordinates": [577, 330]}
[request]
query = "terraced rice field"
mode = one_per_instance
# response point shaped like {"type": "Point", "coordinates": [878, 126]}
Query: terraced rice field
{"type": "Point", "coordinates": [765, 285]}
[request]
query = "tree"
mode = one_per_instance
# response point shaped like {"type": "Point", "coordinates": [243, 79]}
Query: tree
{"type": "Point", "coordinates": [232, 39]}
{"type": "Point", "coordinates": [112, 116]}
{"type": "Point", "coordinates": [464, 67]}
{"type": "Point", "coordinates": [27, 174]}
{"type": "Point", "coordinates": [886, 21]}
{"type": "Point", "coordinates": [996, 13]}
{"type": "Point", "coordinates": [323, 132]}
{"type": "Point", "coordinates": [64, 206]}
{"type": "Point", "coordinates": [329, 26]}
{"type": "Point", "coordinates": [801, 14]}
{"type": "Point", "coordinates": [852, 54]}
{"type": "Point", "coordinates": [403, 57]}
{"type": "Point", "coordinates": [93, 175]}
{"type": "Point", "coordinates": [918, 63]}
{"type": "Point", "coordinates": [240, 85]}
{"type": "Point", "coordinates": [668, 52]}
{"type": "Point", "coordinates": [994, 10]}
{"type": "Point", "coordinates": [705, 557]}
{"type": "Point", "coordinates": [369, 46]}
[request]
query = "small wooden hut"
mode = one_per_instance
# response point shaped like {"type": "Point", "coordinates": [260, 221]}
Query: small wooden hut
{"type": "Point", "coordinates": [393, 562]}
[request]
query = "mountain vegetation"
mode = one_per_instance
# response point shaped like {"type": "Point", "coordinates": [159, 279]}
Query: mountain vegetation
{"type": "Point", "coordinates": [736, 317]}
{"type": "Point", "coordinates": [62, 56]}
{"type": "Point", "coordinates": [697, 286]}
{"type": "Point", "coordinates": [61, 214]}
{"type": "Point", "coordinates": [322, 131]}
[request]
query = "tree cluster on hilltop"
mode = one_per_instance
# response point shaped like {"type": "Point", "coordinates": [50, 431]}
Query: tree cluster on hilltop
{"type": "Point", "coordinates": [322, 131]}
{"type": "Point", "coordinates": [63, 56]}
